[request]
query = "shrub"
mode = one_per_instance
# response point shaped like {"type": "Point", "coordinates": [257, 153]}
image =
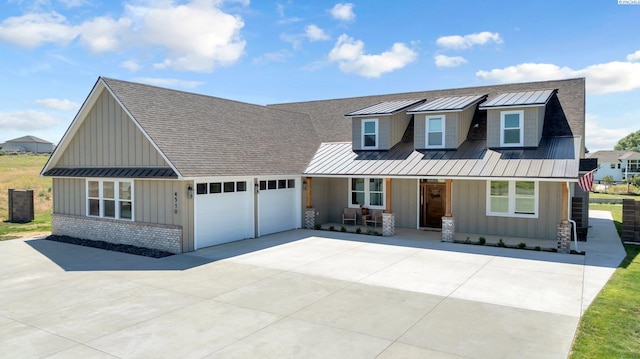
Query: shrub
{"type": "Point", "coordinates": [501, 243]}
{"type": "Point", "coordinates": [522, 245]}
{"type": "Point", "coordinates": [343, 229]}
{"type": "Point", "coordinates": [482, 241]}
{"type": "Point", "coordinates": [318, 226]}
{"type": "Point", "coordinates": [332, 228]}
{"type": "Point", "coordinates": [537, 248]}
{"type": "Point", "coordinates": [467, 241]}
{"type": "Point", "coordinates": [358, 230]}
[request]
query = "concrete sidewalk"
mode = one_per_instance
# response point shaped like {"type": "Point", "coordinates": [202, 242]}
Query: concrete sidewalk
{"type": "Point", "coordinates": [302, 294]}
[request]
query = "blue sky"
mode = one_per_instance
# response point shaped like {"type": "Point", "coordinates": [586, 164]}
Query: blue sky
{"type": "Point", "coordinates": [52, 52]}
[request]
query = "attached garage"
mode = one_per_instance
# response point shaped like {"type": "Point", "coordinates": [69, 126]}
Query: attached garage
{"type": "Point", "coordinates": [223, 211]}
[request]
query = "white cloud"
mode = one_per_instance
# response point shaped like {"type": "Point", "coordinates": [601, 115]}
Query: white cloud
{"type": "Point", "coordinates": [343, 12]}
{"type": "Point", "coordinates": [634, 57]}
{"type": "Point", "coordinates": [168, 82]}
{"type": "Point", "coordinates": [186, 31]}
{"type": "Point", "coordinates": [26, 120]}
{"type": "Point", "coordinates": [33, 30]}
{"type": "Point", "coordinates": [57, 104]}
{"type": "Point", "coordinates": [277, 56]}
{"type": "Point", "coordinates": [615, 76]}
{"type": "Point", "coordinates": [73, 3]}
{"type": "Point", "coordinates": [314, 33]}
{"type": "Point", "coordinates": [131, 65]}
{"type": "Point", "coordinates": [350, 56]}
{"type": "Point", "coordinates": [467, 41]}
{"type": "Point", "coordinates": [598, 138]}
{"type": "Point", "coordinates": [449, 61]}
{"type": "Point", "coordinates": [103, 34]}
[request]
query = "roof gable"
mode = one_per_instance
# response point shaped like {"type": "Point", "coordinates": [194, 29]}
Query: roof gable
{"type": "Point", "coordinates": [29, 139]}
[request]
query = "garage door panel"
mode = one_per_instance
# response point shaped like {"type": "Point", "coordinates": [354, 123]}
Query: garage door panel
{"type": "Point", "coordinates": [278, 209]}
{"type": "Point", "coordinates": [223, 217]}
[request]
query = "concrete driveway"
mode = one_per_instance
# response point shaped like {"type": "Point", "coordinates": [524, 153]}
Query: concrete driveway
{"type": "Point", "coordinates": [302, 294]}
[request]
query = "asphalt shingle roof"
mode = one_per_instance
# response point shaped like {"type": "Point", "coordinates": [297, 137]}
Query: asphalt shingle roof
{"type": "Point", "coordinates": [28, 139]}
{"type": "Point", "coordinates": [607, 156]}
{"type": "Point", "coordinates": [209, 136]}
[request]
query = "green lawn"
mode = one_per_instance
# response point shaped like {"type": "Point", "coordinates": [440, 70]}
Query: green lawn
{"type": "Point", "coordinates": [610, 327]}
{"type": "Point", "coordinates": [22, 172]}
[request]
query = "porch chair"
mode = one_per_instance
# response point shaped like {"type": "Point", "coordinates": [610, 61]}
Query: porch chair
{"type": "Point", "coordinates": [375, 217]}
{"type": "Point", "coordinates": [349, 214]}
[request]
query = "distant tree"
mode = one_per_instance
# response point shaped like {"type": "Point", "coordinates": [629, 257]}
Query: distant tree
{"type": "Point", "coordinates": [635, 180]}
{"type": "Point", "coordinates": [630, 143]}
{"type": "Point", "coordinates": [608, 181]}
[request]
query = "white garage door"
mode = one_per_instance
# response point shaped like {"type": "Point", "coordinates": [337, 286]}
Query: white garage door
{"type": "Point", "coordinates": [224, 212]}
{"type": "Point", "coordinates": [278, 206]}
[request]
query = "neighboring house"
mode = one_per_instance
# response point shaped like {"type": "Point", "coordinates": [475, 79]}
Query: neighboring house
{"type": "Point", "coordinates": [617, 164]}
{"type": "Point", "coordinates": [179, 171]}
{"type": "Point", "coordinates": [27, 144]}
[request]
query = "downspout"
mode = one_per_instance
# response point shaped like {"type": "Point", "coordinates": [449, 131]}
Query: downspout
{"type": "Point", "coordinates": [573, 223]}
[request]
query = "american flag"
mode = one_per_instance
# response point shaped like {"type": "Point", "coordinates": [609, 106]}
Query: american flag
{"type": "Point", "coordinates": [586, 182]}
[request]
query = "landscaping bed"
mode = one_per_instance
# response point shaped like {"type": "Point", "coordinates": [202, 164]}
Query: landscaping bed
{"type": "Point", "coordinates": [124, 248]}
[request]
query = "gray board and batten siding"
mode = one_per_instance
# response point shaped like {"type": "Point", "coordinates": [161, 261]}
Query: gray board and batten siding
{"type": "Point", "coordinates": [390, 129]}
{"type": "Point", "coordinates": [457, 126]}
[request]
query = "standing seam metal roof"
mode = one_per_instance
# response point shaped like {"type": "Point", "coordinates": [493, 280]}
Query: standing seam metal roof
{"type": "Point", "coordinates": [384, 108]}
{"type": "Point", "coordinates": [454, 103]}
{"type": "Point", "coordinates": [539, 97]}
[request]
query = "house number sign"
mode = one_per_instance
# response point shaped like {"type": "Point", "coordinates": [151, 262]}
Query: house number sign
{"type": "Point", "coordinates": [175, 202]}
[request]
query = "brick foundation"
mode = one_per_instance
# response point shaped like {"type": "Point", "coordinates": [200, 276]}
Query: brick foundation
{"type": "Point", "coordinates": [388, 224]}
{"type": "Point", "coordinates": [310, 218]}
{"type": "Point", "coordinates": [448, 229]}
{"type": "Point", "coordinates": [157, 236]}
{"type": "Point", "coordinates": [564, 237]}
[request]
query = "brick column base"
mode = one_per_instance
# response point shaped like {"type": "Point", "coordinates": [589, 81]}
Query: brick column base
{"type": "Point", "coordinates": [448, 229]}
{"type": "Point", "coordinates": [310, 218]}
{"type": "Point", "coordinates": [564, 237]}
{"type": "Point", "coordinates": [388, 224]}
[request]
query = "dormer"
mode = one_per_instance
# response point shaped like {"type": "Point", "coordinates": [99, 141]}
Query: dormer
{"type": "Point", "coordinates": [516, 119]}
{"type": "Point", "coordinates": [381, 126]}
{"type": "Point", "coordinates": [444, 122]}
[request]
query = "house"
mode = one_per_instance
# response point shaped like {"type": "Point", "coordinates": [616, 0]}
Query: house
{"type": "Point", "coordinates": [620, 165]}
{"type": "Point", "coordinates": [27, 144]}
{"type": "Point", "coordinates": [179, 171]}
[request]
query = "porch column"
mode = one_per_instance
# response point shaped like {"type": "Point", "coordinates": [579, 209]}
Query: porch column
{"type": "Point", "coordinates": [564, 227]}
{"type": "Point", "coordinates": [388, 218]}
{"type": "Point", "coordinates": [309, 212]}
{"type": "Point", "coordinates": [448, 222]}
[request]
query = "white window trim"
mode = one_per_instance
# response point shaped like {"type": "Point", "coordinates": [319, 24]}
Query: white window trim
{"type": "Point", "coordinates": [521, 128]}
{"type": "Point", "coordinates": [512, 201]}
{"type": "Point", "coordinates": [426, 131]}
{"type": "Point", "coordinates": [367, 193]}
{"type": "Point", "coordinates": [116, 189]}
{"type": "Point", "coordinates": [375, 121]}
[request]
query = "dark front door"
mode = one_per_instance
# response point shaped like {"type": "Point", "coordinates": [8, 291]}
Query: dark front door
{"type": "Point", "coordinates": [432, 204]}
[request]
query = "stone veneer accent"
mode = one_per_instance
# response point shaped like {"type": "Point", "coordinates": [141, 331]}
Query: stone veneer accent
{"type": "Point", "coordinates": [564, 237]}
{"type": "Point", "coordinates": [310, 218]}
{"type": "Point", "coordinates": [388, 224]}
{"type": "Point", "coordinates": [148, 235]}
{"type": "Point", "coordinates": [448, 229]}
{"type": "Point", "coordinates": [20, 205]}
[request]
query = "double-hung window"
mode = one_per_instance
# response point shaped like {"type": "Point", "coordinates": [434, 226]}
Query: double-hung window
{"type": "Point", "coordinates": [511, 128]}
{"type": "Point", "coordinates": [434, 135]}
{"type": "Point", "coordinates": [512, 198]}
{"type": "Point", "coordinates": [367, 192]}
{"type": "Point", "coordinates": [370, 134]}
{"type": "Point", "coordinates": [110, 199]}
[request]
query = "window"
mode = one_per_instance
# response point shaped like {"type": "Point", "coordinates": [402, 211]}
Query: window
{"type": "Point", "coordinates": [368, 192]}
{"type": "Point", "coordinates": [511, 128]}
{"type": "Point", "coordinates": [263, 185]}
{"type": "Point", "coordinates": [633, 165]}
{"type": "Point", "coordinates": [241, 186]}
{"type": "Point", "coordinates": [215, 187]}
{"type": "Point", "coordinates": [271, 184]}
{"type": "Point", "coordinates": [282, 184]}
{"type": "Point", "coordinates": [229, 187]}
{"type": "Point", "coordinates": [434, 137]}
{"type": "Point", "coordinates": [201, 188]}
{"type": "Point", "coordinates": [512, 198]}
{"type": "Point", "coordinates": [370, 134]}
{"type": "Point", "coordinates": [291, 183]}
{"type": "Point", "coordinates": [110, 199]}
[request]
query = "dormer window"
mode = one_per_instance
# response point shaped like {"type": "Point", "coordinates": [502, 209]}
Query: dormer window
{"type": "Point", "coordinates": [435, 131]}
{"type": "Point", "coordinates": [370, 134]}
{"type": "Point", "coordinates": [511, 125]}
